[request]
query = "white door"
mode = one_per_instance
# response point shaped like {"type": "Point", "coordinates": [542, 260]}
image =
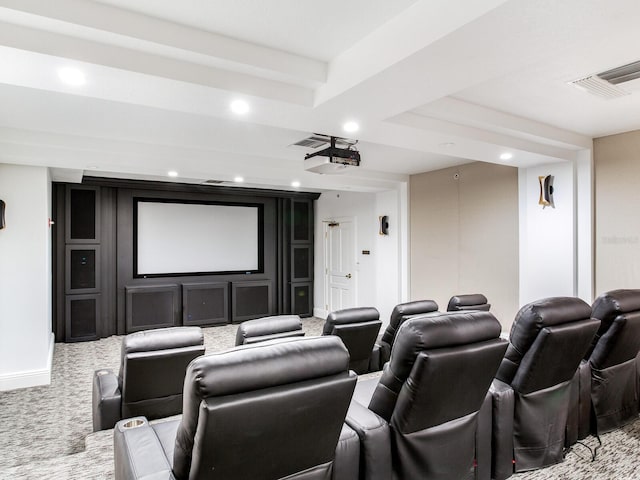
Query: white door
{"type": "Point", "coordinates": [339, 249]}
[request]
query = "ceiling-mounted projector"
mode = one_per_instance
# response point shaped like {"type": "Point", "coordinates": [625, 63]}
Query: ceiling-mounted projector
{"type": "Point", "coordinates": [332, 159]}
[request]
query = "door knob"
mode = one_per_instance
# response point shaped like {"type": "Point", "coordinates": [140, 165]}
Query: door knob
{"type": "Point", "coordinates": [348, 275]}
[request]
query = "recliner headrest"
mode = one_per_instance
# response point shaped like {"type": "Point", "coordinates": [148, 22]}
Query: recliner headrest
{"type": "Point", "coordinates": [411, 308]}
{"type": "Point", "coordinates": [267, 326]}
{"type": "Point", "coordinates": [611, 304]}
{"type": "Point", "coordinates": [467, 302]}
{"type": "Point", "coordinates": [162, 339]}
{"type": "Point", "coordinates": [449, 329]}
{"type": "Point", "coordinates": [547, 312]}
{"type": "Point", "coordinates": [349, 315]}
{"type": "Point", "coordinates": [443, 330]}
{"type": "Point", "coordinates": [261, 365]}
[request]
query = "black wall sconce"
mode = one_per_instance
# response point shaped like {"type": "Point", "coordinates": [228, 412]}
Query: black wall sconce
{"type": "Point", "coordinates": [546, 191]}
{"type": "Point", "coordinates": [384, 225]}
{"type": "Point", "coordinates": [2, 221]}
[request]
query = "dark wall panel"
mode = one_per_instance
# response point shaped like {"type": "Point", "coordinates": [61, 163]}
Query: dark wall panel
{"type": "Point", "coordinates": [250, 300]}
{"type": "Point", "coordinates": [152, 307]}
{"type": "Point", "coordinates": [205, 303]}
{"type": "Point", "coordinates": [82, 314]}
{"type": "Point", "coordinates": [96, 293]}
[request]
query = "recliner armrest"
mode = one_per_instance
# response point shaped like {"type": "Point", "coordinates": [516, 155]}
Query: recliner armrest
{"type": "Point", "coordinates": [346, 465]}
{"type": "Point", "coordinates": [138, 453]}
{"type": "Point", "coordinates": [106, 400]}
{"type": "Point", "coordinates": [583, 409]}
{"type": "Point", "coordinates": [375, 442]}
{"type": "Point", "coordinates": [374, 361]}
{"type": "Point", "coordinates": [503, 400]}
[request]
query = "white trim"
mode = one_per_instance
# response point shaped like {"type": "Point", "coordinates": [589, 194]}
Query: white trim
{"type": "Point", "coordinates": [31, 378]}
{"type": "Point", "coordinates": [320, 313]}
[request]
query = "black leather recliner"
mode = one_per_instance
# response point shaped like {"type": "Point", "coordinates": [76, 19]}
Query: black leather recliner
{"type": "Point", "coordinates": [152, 368]}
{"type": "Point", "coordinates": [271, 410]}
{"type": "Point", "coordinates": [473, 301]}
{"type": "Point", "coordinates": [609, 373]}
{"type": "Point", "coordinates": [357, 328]}
{"type": "Point", "coordinates": [401, 312]}
{"type": "Point", "coordinates": [428, 400]}
{"type": "Point", "coordinates": [269, 328]}
{"type": "Point", "coordinates": [533, 387]}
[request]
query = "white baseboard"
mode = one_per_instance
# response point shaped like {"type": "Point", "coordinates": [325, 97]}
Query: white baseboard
{"type": "Point", "coordinates": [29, 378]}
{"type": "Point", "coordinates": [320, 313]}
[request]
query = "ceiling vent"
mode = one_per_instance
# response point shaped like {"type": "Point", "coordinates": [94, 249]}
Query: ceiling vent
{"type": "Point", "coordinates": [599, 87]}
{"type": "Point", "coordinates": [317, 140]}
{"type": "Point", "coordinates": [212, 182]}
{"type": "Point", "coordinates": [622, 74]}
{"type": "Point", "coordinates": [605, 84]}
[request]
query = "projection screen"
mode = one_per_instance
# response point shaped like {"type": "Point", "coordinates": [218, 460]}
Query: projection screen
{"type": "Point", "coordinates": [188, 238]}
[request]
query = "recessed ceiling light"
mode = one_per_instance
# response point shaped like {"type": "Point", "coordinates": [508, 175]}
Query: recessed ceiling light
{"type": "Point", "coordinates": [172, 173]}
{"type": "Point", "coordinates": [72, 76]}
{"type": "Point", "coordinates": [92, 167]}
{"type": "Point", "coordinates": [506, 156]}
{"type": "Point", "coordinates": [447, 144]}
{"type": "Point", "coordinates": [238, 179]}
{"type": "Point", "coordinates": [295, 183]}
{"type": "Point", "coordinates": [239, 107]}
{"type": "Point", "coordinates": [351, 127]}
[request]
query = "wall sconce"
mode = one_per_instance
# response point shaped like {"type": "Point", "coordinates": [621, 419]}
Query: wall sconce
{"type": "Point", "coordinates": [384, 225]}
{"type": "Point", "coordinates": [546, 191]}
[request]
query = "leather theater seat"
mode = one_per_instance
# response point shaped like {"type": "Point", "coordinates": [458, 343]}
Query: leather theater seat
{"type": "Point", "coordinates": [357, 328]}
{"type": "Point", "coordinates": [473, 301]}
{"type": "Point", "coordinates": [152, 368]}
{"type": "Point", "coordinates": [268, 411]}
{"type": "Point", "coordinates": [269, 328]}
{"type": "Point", "coordinates": [608, 389]}
{"type": "Point", "coordinates": [429, 415]}
{"type": "Point", "coordinates": [533, 386]}
{"type": "Point", "coordinates": [400, 313]}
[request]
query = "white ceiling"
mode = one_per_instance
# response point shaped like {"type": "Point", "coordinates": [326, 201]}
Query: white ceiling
{"type": "Point", "coordinates": [432, 83]}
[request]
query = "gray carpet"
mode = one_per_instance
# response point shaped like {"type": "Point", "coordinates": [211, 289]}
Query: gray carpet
{"type": "Point", "coordinates": [46, 432]}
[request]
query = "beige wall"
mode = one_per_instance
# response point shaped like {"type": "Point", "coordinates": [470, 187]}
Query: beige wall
{"type": "Point", "coordinates": [464, 236]}
{"type": "Point", "coordinates": [617, 200]}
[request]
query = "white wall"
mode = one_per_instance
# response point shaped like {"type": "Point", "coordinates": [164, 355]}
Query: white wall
{"type": "Point", "coordinates": [26, 338]}
{"type": "Point", "coordinates": [389, 271]}
{"type": "Point", "coordinates": [378, 275]}
{"type": "Point", "coordinates": [555, 243]}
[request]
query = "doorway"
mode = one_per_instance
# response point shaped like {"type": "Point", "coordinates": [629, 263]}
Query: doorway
{"type": "Point", "coordinates": [339, 264]}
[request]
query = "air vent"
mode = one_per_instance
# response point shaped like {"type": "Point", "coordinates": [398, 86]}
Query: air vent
{"type": "Point", "coordinates": [622, 74]}
{"type": "Point", "coordinates": [314, 141]}
{"type": "Point", "coordinates": [212, 182]}
{"type": "Point", "coordinates": [318, 140]}
{"type": "Point", "coordinates": [599, 87]}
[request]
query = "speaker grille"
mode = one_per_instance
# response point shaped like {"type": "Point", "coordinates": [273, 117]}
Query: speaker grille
{"type": "Point", "coordinates": [83, 269]}
{"type": "Point", "coordinates": [83, 214]}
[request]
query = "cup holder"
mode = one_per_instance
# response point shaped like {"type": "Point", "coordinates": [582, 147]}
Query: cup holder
{"type": "Point", "coordinates": [135, 423]}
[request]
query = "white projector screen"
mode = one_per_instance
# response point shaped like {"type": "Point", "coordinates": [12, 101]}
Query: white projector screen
{"type": "Point", "coordinates": [182, 238]}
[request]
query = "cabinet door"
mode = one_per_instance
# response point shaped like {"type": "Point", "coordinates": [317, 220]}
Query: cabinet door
{"type": "Point", "coordinates": [82, 314]}
{"type": "Point", "coordinates": [301, 221]}
{"type": "Point", "coordinates": [82, 270]}
{"type": "Point", "coordinates": [250, 300]}
{"type": "Point", "coordinates": [301, 268]}
{"type": "Point", "coordinates": [82, 215]}
{"type": "Point", "coordinates": [205, 303]}
{"type": "Point", "coordinates": [152, 307]}
{"type": "Point", "coordinates": [301, 299]}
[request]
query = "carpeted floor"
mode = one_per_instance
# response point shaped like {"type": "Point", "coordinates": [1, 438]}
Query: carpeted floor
{"type": "Point", "coordinates": [46, 432]}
